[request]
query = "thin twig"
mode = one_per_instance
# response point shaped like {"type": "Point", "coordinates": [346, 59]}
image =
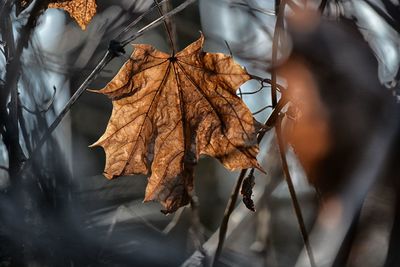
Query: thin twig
{"type": "Point", "coordinates": [278, 30]}
{"type": "Point", "coordinates": [174, 222]}
{"type": "Point", "coordinates": [252, 8]}
{"type": "Point", "coordinates": [43, 110]}
{"type": "Point", "coordinates": [292, 191]}
{"type": "Point", "coordinates": [280, 9]}
{"type": "Point", "coordinates": [24, 130]}
{"type": "Point", "coordinates": [157, 21]}
{"type": "Point", "coordinates": [144, 220]}
{"type": "Point", "coordinates": [261, 22]}
{"type": "Point", "coordinates": [170, 22]}
{"type": "Point", "coordinates": [262, 109]}
{"type": "Point", "coordinates": [136, 21]}
{"type": "Point", "coordinates": [167, 28]}
{"type": "Point", "coordinates": [202, 257]}
{"type": "Point", "coordinates": [278, 88]}
{"type": "Point", "coordinates": [231, 54]}
{"type": "Point", "coordinates": [252, 92]}
{"type": "Point", "coordinates": [232, 201]}
{"type": "Point", "coordinates": [228, 211]}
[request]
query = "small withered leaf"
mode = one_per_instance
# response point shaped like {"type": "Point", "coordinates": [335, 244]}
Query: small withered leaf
{"type": "Point", "coordinates": [168, 110]}
{"type": "Point", "coordinates": [81, 10]}
{"type": "Point", "coordinates": [247, 191]}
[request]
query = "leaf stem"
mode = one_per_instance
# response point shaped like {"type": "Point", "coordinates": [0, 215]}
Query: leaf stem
{"type": "Point", "coordinates": [167, 28]}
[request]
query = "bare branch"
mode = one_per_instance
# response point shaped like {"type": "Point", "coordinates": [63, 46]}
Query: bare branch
{"type": "Point", "coordinates": [262, 109]}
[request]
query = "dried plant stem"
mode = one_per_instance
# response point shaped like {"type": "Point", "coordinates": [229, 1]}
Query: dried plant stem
{"type": "Point", "coordinates": [292, 191]}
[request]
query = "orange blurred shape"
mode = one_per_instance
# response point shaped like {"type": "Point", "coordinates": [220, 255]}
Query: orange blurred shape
{"type": "Point", "coordinates": [305, 125]}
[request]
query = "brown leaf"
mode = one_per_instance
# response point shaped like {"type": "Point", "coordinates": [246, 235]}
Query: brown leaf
{"type": "Point", "coordinates": [81, 10]}
{"type": "Point", "coordinates": [167, 110]}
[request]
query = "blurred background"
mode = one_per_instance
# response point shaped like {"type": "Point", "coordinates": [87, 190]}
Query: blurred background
{"type": "Point", "coordinates": [337, 66]}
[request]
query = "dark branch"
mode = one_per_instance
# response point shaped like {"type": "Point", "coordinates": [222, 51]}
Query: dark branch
{"type": "Point", "coordinates": [292, 191]}
{"type": "Point", "coordinates": [279, 24]}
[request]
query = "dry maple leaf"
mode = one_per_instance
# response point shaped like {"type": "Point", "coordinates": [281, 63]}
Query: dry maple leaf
{"type": "Point", "coordinates": [167, 110]}
{"type": "Point", "coordinates": [81, 10]}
